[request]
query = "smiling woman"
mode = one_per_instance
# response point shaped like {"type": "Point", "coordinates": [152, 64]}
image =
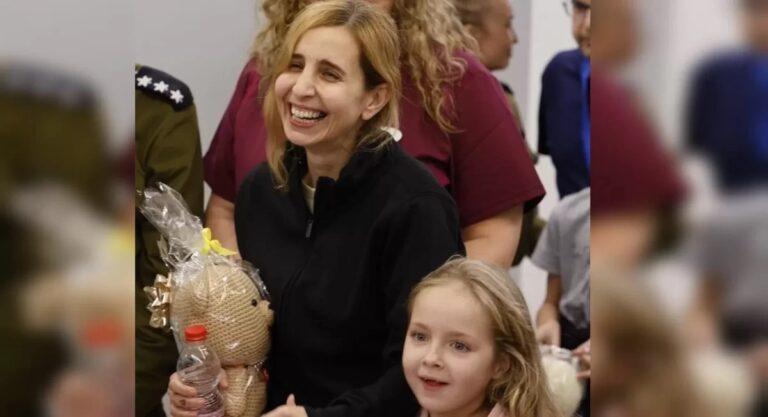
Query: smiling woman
{"type": "Point", "coordinates": [332, 220]}
{"type": "Point", "coordinates": [323, 100]}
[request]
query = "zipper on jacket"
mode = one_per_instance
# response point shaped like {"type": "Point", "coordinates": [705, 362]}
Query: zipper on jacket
{"type": "Point", "coordinates": [310, 223]}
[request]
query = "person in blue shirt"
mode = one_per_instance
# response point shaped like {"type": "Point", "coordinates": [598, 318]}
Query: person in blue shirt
{"type": "Point", "coordinates": [728, 124]}
{"type": "Point", "coordinates": [728, 107]}
{"type": "Point", "coordinates": [564, 107]}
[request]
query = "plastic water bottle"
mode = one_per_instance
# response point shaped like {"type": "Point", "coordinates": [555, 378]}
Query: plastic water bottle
{"type": "Point", "coordinates": [199, 367]}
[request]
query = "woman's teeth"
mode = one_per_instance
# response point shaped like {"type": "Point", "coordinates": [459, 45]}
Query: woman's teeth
{"type": "Point", "coordinates": [306, 114]}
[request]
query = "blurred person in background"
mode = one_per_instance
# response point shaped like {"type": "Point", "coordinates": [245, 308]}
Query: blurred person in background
{"type": "Point", "coordinates": [636, 193]}
{"type": "Point", "coordinates": [564, 109]}
{"type": "Point", "coordinates": [167, 150]}
{"type": "Point", "coordinates": [728, 124]}
{"type": "Point", "coordinates": [730, 311]}
{"type": "Point", "coordinates": [454, 119]}
{"type": "Point", "coordinates": [636, 185]}
{"type": "Point", "coordinates": [615, 35]}
{"type": "Point", "coordinates": [639, 367]}
{"type": "Point", "coordinates": [51, 130]}
{"type": "Point", "coordinates": [563, 251]}
{"type": "Point", "coordinates": [490, 22]}
{"type": "Point", "coordinates": [728, 106]}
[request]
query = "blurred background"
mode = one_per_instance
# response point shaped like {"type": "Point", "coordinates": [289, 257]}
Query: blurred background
{"type": "Point", "coordinates": [66, 208]}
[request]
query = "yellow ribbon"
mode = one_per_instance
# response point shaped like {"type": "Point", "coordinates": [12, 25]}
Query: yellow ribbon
{"type": "Point", "coordinates": [159, 301]}
{"type": "Point", "coordinates": [213, 244]}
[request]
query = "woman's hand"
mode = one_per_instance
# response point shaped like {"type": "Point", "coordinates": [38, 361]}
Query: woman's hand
{"type": "Point", "coordinates": [183, 398]}
{"type": "Point", "coordinates": [290, 409]}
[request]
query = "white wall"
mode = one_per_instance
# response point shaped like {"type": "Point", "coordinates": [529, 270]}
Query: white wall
{"type": "Point", "coordinates": [676, 35]}
{"type": "Point", "coordinates": [86, 39]}
{"type": "Point", "coordinates": [204, 43]}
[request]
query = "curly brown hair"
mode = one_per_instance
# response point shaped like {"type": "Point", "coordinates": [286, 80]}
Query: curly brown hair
{"type": "Point", "coordinates": [430, 35]}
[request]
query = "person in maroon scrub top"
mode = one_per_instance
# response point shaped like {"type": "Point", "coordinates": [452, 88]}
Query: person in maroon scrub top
{"type": "Point", "coordinates": [454, 119]}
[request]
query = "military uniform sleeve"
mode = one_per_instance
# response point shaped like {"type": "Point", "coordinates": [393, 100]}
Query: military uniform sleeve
{"type": "Point", "coordinates": [420, 237]}
{"type": "Point", "coordinates": [547, 253]}
{"type": "Point", "coordinates": [167, 150]}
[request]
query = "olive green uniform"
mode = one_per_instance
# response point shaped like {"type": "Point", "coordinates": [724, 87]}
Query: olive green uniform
{"type": "Point", "coordinates": [168, 151]}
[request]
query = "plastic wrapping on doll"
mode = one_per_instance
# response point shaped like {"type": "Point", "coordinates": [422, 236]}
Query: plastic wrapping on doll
{"type": "Point", "coordinates": [207, 287]}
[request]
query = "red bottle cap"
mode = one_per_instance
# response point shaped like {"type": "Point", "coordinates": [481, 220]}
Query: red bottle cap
{"type": "Point", "coordinates": [102, 333]}
{"type": "Point", "coordinates": [195, 332]}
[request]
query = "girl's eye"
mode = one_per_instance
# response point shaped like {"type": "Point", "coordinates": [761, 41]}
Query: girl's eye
{"type": "Point", "coordinates": [461, 347]}
{"type": "Point", "coordinates": [418, 337]}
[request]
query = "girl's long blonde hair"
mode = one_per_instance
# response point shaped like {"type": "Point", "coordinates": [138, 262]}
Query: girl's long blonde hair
{"type": "Point", "coordinates": [377, 39]}
{"type": "Point", "coordinates": [430, 35]}
{"type": "Point", "coordinates": [523, 389]}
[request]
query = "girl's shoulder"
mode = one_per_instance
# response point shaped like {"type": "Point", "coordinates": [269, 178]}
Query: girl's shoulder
{"type": "Point", "coordinates": [498, 411]}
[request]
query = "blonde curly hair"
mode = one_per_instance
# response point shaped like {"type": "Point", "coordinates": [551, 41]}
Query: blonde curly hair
{"type": "Point", "coordinates": [430, 35]}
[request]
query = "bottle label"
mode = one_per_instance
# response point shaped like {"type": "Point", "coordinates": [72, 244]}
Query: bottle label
{"type": "Point", "coordinates": [219, 413]}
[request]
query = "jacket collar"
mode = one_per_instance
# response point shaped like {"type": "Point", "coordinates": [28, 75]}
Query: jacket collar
{"type": "Point", "coordinates": [359, 169]}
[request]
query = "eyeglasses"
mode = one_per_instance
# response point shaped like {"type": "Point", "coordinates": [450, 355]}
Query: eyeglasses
{"type": "Point", "coordinates": [576, 7]}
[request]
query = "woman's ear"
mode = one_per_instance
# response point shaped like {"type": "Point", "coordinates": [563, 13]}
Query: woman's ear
{"type": "Point", "coordinates": [375, 100]}
{"type": "Point", "coordinates": [473, 30]}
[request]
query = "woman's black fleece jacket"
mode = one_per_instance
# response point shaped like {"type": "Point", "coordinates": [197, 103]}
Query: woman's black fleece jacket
{"type": "Point", "coordinates": [339, 279]}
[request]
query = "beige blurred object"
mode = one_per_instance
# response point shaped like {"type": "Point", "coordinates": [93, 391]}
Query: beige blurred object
{"type": "Point", "coordinates": [562, 369]}
{"type": "Point", "coordinates": [639, 366]}
{"type": "Point", "coordinates": [88, 263]}
{"type": "Point", "coordinates": [722, 382]}
{"type": "Point", "coordinates": [225, 299]}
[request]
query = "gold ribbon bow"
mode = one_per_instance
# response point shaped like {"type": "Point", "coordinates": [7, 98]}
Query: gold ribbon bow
{"type": "Point", "coordinates": [159, 301]}
{"type": "Point", "coordinates": [213, 244]}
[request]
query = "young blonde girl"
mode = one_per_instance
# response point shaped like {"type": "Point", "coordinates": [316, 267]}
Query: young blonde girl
{"type": "Point", "coordinates": [470, 348]}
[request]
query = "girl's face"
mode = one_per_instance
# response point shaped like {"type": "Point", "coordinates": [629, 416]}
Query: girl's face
{"type": "Point", "coordinates": [449, 354]}
{"type": "Point", "coordinates": [321, 95]}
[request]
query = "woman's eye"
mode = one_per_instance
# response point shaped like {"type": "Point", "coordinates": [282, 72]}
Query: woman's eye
{"type": "Point", "coordinates": [294, 66]}
{"type": "Point", "coordinates": [331, 76]}
{"type": "Point", "coordinates": [461, 347]}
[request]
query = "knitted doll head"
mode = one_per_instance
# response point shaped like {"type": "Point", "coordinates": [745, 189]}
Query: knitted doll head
{"type": "Point", "coordinates": [226, 300]}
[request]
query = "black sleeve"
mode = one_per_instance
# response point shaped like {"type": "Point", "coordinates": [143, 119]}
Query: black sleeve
{"type": "Point", "coordinates": [419, 237]}
{"type": "Point", "coordinates": [696, 111]}
{"type": "Point", "coordinates": [542, 147]}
